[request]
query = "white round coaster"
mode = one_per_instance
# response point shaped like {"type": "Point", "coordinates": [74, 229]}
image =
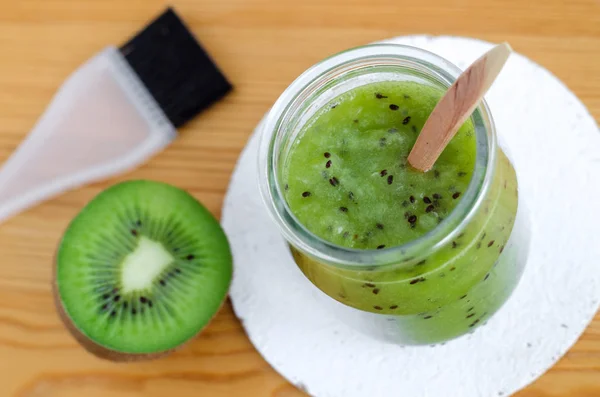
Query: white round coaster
{"type": "Point", "coordinates": [555, 146]}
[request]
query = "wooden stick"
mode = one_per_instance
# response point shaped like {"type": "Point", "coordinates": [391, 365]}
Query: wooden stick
{"type": "Point", "coordinates": [456, 106]}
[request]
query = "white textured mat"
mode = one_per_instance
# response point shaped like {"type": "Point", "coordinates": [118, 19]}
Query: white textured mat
{"type": "Point", "coordinates": [555, 145]}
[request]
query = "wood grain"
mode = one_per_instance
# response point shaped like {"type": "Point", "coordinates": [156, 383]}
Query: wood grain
{"type": "Point", "coordinates": [262, 45]}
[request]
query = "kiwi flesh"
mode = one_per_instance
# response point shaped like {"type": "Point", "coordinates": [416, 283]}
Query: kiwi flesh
{"type": "Point", "coordinates": [140, 271]}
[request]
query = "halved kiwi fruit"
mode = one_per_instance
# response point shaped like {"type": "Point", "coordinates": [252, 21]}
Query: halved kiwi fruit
{"type": "Point", "coordinates": [141, 270]}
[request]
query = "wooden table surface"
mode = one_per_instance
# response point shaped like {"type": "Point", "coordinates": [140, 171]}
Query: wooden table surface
{"type": "Point", "coordinates": [261, 45]}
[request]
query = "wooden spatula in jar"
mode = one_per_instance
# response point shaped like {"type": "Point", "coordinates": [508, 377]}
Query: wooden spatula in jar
{"type": "Point", "coordinates": [456, 106]}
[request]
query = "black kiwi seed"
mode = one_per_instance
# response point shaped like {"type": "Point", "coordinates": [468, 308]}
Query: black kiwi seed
{"type": "Point", "coordinates": [328, 164]}
{"type": "Point", "coordinates": [406, 120]}
{"type": "Point", "coordinates": [470, 315]}
{"type": "Point", "coordinates": [461, 174]}
{"type": "Point", "coordinates": [421, 263]}
{"type": "Point", "coordinates": [412, 199]}
{"type": "Point", "coordinates": [355, 121]}
{"type": "Point", "coordinates": [486, 277]}
{"type": "Point", "coordinates": [436, 174]}
{"type": "Point", "coordinates": [134, 232]}
{"type": "Point", "coordinates": [426, 200]}
{"type": "Point", "coordinates": [380, 96]}
{"type": "Point", "coordinates": [394, 107]}
{"type": "Point", "coordinates": [456, 195]}
{"type": "Point", "coordinates": [490, 243]}
{"type": "Point", "coordinates": [382, 142]}
{"type": "Point", "coordinates": [383, 173]}
{"type": "Point", "coordinates": [327, 155]}
{"type": "Point", "coordinates": [427, 317]}
{"type": "Point", "coordinates": [382, 246]}
{"type": "Point", "coordinates": [370, 285]}
{"type": "Point", "coordinates": [104, 307]}
{"type": "Point", "coordinates": [463, 297]}
{"type": "Point", "coordinates": [344, 209]}
{"type": "Point", "coordinates": [390, 179]}
{"type": "Point", "coordinates": [143, 299]}
{"type": "Point", "coordinates": [501, 249]}
{"type": "Point", "coordinates": [133, 311]}
{"type": "Point", "coordinates": [113, 313]}
{"type": "Point", "coordinates": [412, 219]}
{"type": "Point", "coordinates": [105, 296]}
{"type": "Point", "coordinates": [417, 280]}
{"type": "Point", "coordinates": [429, 208]}
{"type": "Point", "coordinates": [286, 187]}
{"type": "Point", "coordinates": [375, 291]}
{"type": "Point", "coordinates": [306, 194]}
{"type": "Point", "coordinates": [190, 257]}
{"type": "Point", "coordinates": [393, 307]}
{"type": "Point", "coordinates": [138, 223]}
{"type": "Point", "coordinates": [334, 181]}
{"type": "Point", "coordinates": [177, 270]}
{"type": "Point", "coordinates": [379, 226]}
{"type": "Point", "coordinates": [453, 268]}
{"type": "Point", "coordinates": [377, 307]}
{"type": "Point", "coordinates": [117, 298]}
{"type": "Point", "coordinates": [436, 196]}
{"type": "Point", "coordinates": [162, 282]}
{"type": "Point", "coordinates": [454, 244]}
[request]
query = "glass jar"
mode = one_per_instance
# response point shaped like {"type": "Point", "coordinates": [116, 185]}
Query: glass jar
{"type": "Point", "coordinates": [432, 289]}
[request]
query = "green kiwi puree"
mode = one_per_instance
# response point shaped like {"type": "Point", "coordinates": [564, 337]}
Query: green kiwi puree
{"type": "Point", "coordinates": [346, 179]}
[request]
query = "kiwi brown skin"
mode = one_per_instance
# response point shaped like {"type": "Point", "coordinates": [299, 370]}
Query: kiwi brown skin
{"type": "Point", "coordinates": [102, 351]}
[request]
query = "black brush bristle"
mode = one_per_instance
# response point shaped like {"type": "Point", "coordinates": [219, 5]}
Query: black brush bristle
{"type": "Point", "coordinates": [176, 70]}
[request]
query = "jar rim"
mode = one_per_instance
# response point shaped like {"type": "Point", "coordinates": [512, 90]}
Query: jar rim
{"type": "Point", "coordinates": [306, 241]}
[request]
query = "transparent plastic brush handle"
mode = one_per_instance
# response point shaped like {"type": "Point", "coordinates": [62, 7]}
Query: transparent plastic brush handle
{"type": "Point", "coordinates": [101, 122]}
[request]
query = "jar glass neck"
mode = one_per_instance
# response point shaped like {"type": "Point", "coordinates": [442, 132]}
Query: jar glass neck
{"type": "Point", "coordinates": [327, 80]}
